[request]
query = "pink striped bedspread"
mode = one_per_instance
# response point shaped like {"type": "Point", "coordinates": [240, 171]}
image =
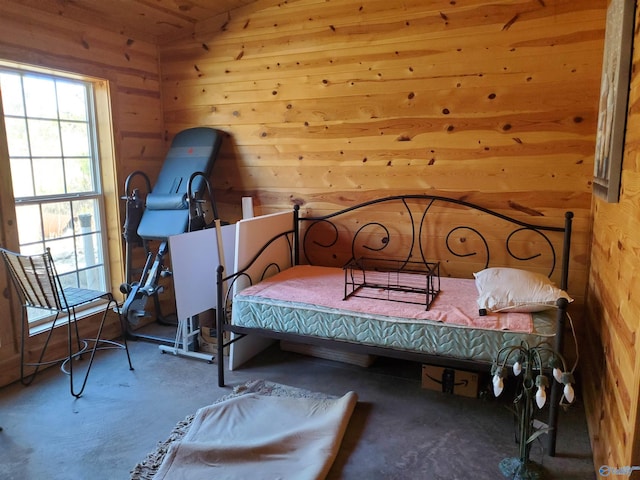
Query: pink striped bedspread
{"type": "Point", "coordinates": [455, 305]}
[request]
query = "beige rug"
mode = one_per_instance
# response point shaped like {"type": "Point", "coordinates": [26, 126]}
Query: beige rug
{"type": "Point", "coordinates": [263, 430]}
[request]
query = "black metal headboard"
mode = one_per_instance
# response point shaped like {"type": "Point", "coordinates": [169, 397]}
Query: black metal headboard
{"type": "Point", "coordinates": [434, 228]}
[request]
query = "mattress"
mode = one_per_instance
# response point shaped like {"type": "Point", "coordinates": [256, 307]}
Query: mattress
{"type": "Point", "coordinates": [308, 300]}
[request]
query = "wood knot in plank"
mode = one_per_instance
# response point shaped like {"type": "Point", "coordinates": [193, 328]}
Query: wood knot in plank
{"type": "Point", "coordinates": [507, 25]}
{"type": "Point", "coordinates": [527, 210]}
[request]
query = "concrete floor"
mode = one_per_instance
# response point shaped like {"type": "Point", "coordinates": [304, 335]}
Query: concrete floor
{"type": "Point", "coordinates": [398, 430]}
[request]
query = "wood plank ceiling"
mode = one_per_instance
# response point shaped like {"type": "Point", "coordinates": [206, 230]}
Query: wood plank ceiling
{"type": "Point", "coordinates": [156, 21]}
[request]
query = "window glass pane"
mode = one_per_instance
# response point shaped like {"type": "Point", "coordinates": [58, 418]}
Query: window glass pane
{"type": "Point", "coordinates": [88, 246]}
{"type": "Point", "coordinates": [79, 175]}
{"type": "Point", "coordinates": [72, 101]}
{"type": "Point", "coordinates": [29, 224]}
{"type": "Point", "coordinates": [75, 139]}
{"type": "Point", "coordinates": [40, 97]}
{"type": "Point", "coordinates": [67, 280]}
{"type": "Point", "coordinates": [17, 137]}
{"type": "Point", "coordinates": [21, 177]}
{"type": "Point", "coordinates": [92, 278]}
{"type": "Point", "coordinates": [48, 176]}
{"type": "Point", "coordinates": [45, 138]}
{"type": "Point", "coordinates": [56, 220]}
{"type": "Point", "coordinates": [32, 249]}
{"type": "Point", "coordinates": [64, 254]}
{"type": "Point", "coordinates": [11, 94]}
{"type": "Point", "coordinates": [88, 250]}
{"type": "Point", "coordinates": [87, 214]}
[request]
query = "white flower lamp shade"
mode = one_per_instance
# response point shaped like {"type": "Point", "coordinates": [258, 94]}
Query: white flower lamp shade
{"type": "Point", "coordinates": [569, 394]}
{"type": "Point", "coordinates": [498, 385]}
{"type": "Point", "coordinates": [517, 368]}
{"type": "Point", "coordinates": [568, 380]}
{"type": "Point", "coordinates": [541, 394]}
{"type": "Point", "coordinates": [557, 374]}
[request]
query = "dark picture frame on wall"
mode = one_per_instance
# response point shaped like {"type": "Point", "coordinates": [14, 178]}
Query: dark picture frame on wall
{"type": "Point", "coordinates": [614, 95]}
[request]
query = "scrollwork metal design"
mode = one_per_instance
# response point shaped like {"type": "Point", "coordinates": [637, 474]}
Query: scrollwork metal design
{"type": "Point", "coordinates": [479, 235]}
{"type": "Point", "coordinates": [378, 236]}
{"type": "Point", "coordinates": [309, 237]}
{"type": "Point", "coordinates": [384, 239]}
{"type": "Point", "coordinates": [552, 250]}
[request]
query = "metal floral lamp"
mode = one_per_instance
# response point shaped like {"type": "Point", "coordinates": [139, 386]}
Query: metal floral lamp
{"type": "Point", "coordinates": [529, 363]}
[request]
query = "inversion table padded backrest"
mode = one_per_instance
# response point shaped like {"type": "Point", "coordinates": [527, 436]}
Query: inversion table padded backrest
{"type": "Point", "coordinates": [166, 211]}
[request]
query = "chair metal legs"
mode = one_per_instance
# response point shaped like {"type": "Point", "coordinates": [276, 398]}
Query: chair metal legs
{"type": "Point", "coordinates": [98, 344]}
{"type": "Point", "coordinates": [77, 347]}
{"type": "Point", "coordinates": [27, 379]}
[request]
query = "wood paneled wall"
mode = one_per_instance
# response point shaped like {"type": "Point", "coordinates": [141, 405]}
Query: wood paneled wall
{"type": "Point", "coordinates": [328, 103]}
{"type": "Point", "coordinates": [131, 92]}
{"type": "Point", "coordinates": [612, 361]}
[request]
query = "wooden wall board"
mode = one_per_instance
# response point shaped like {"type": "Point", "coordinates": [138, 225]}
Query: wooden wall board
{"type": "Point", "coordinates": [612, 312]}
{"type": "Point", "coordinates": [153, 22]}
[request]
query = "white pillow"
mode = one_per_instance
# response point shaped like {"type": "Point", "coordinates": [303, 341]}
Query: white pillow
{"type": "Point", "coordinates": [514, 290]}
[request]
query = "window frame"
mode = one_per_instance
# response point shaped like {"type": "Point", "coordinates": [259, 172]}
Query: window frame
{"type": "Point", "coordinates": [95, 89]}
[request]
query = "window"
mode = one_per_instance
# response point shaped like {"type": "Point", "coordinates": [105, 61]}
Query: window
{"type": "Point", "coordinates": [51, 134]}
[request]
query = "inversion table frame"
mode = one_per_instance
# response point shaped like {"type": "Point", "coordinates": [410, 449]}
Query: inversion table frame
{"type": "Point", "coordinates": [173, 207]}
